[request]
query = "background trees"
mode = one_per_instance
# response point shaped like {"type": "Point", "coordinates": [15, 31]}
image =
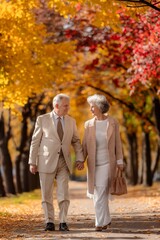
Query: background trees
{"type": "Point", "coordinates": [44, 51]}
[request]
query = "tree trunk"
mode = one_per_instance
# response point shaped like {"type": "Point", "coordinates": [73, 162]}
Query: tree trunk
{"type": "Point", "coordinates": [7, 168]}
{"type": "Point", "coordinates": [156, 103]}
{"type": "Point", "coordinates": [147, 172]}
{"type": "Point", "coordinates": [25, 170]}
{"type": "Point", "coordinates": [21, 149]}
{"type": "Point", "coordinates": [157, 160]}
{"type": "Point", "coordinates": [33, 181]}
{"type": "Point", "coordinates": [18, 175]}
{"type": "Point", "coordinates": [22, 167]}
{"type": "Point", "coordinates": [2, 189]}
{"type": "Point", "coordinates": [6, 158]}
{"type": "Point", "coordinates": [132, 169]}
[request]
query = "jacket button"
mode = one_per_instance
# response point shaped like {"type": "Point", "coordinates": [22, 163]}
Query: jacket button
{"type": "Point", "coordinates": [58, 152]}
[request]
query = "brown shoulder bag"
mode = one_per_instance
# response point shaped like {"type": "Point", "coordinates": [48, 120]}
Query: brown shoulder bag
{"type": "Point", "coordinates": [119, 185]}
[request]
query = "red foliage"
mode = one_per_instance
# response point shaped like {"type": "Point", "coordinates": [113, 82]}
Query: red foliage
{"type": "Point", "coordinates": [135, 49]}
{"type": "Point", "coordinates": [78, 7]}
{"type": "Point", "coordinates": [145, 67]}
{"type": "Point", "coordinates": [92, 65]}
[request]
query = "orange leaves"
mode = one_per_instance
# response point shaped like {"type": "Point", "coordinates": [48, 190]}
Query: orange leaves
{"type": "Point", "coordinates": [135, 216]}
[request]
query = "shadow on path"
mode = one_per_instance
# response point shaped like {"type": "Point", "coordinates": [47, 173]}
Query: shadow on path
{"type": "Point", "coordinates": [82, 227]}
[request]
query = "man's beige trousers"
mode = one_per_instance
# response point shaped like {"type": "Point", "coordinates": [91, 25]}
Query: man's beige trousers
{"type": "Point", "coordinates": [61, 174]}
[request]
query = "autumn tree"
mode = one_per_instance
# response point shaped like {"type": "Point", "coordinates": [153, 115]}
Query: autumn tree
{"type": "Point", "coordinates": [28, 66]}
{"type": "Point", "coordinates": [27, 63]}
{"type": "Point", "coordinates": [65, 45]}
{"type": "Point", "coordinates": [111, 55]}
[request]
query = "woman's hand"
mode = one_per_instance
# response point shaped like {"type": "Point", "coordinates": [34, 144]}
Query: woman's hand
{"type": "Point", "coordinates": [120, 166]}
{"type": "Point", "coordinates": [80, 165]}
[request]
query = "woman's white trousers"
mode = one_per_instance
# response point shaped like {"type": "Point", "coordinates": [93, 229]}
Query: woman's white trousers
{"type": "Point", "coordinates": [101, 195]}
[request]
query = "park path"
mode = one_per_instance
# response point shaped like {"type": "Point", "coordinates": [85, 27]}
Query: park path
{"type": "Point", "coordinates": [134, 216]}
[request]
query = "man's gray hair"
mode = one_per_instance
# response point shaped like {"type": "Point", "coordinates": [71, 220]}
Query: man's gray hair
{"type": "Point", "coordinates": [100, 101]}
{"type": "Point", "coordinates": [58, 98]}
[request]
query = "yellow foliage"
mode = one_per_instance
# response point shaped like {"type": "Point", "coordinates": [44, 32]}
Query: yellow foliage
{"type": "Point", "coordinates": [106, 10]}
{"type": "Point", "coordinates": [27, 64]}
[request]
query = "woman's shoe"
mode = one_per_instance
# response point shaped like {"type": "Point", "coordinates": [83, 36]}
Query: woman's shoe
{"type": "Point", "coordinates": [98, 229]}
{"type": "Point", "coordinates": [106, 226]}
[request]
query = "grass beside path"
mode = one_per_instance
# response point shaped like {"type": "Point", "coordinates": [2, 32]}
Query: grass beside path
{"type": "Point", "coordinates": [135, 215]}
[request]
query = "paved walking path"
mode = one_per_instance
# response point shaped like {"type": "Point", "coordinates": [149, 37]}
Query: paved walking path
{"type": "Point", "coordinates": [134, 216]}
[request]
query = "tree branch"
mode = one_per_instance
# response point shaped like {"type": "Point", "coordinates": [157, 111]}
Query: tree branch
{"type": "Point", "coordinates": [144, 2]}
{"type": "Point", "coordinates": [128, 105]}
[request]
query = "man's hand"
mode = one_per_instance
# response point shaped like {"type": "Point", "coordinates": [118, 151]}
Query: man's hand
{"type": "Point", "coordinates": [33, 169]}
{"type": "Point", "coordinates": [80, 165]}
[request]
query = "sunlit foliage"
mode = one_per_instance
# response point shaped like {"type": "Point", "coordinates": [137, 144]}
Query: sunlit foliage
{"type": "Point", "coordinates": [27, 64]}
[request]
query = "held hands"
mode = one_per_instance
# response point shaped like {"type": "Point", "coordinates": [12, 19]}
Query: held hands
{"type": "Point", "coordinates": [79, 165]}
{"type": "Point", "coordinates": [33, 169]}
{"type": "Point", "coordinates": [120, 166]}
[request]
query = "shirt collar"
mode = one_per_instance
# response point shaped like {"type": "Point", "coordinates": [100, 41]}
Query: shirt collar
{"type": "Point", "coordinates": [56, 116]}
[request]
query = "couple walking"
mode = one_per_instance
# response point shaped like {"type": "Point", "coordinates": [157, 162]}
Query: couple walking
{"type": "Point", "coordinates": [53, 136]}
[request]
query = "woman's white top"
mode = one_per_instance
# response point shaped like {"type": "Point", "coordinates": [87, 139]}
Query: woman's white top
{"type": "Point", "coordinates": [102, 155]}
{"type": "Point", "coordinates": [102, 171]}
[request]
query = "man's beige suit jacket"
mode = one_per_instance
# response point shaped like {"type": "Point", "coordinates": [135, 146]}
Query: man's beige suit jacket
{"type": "Point", "coordinates": [46, 145]}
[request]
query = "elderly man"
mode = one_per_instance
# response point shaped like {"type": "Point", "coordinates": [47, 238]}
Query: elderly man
{"type": "Point", "coordinates": [53, 135]}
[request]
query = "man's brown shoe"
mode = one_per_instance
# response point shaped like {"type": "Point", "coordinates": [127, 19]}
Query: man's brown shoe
{"type": "Point", "coordinates": [63, 227]}
{"type": "Point", "coordinates": [50, 226]}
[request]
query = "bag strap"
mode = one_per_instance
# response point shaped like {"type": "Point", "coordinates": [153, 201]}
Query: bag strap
{"type": "Point", "coordinates": [119, 172]}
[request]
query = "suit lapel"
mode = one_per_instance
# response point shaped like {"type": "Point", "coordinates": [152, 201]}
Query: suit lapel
{"type": "Point", "coordinates": [52, 125]}
{"type": "Point", "coordinates": [66, 126]}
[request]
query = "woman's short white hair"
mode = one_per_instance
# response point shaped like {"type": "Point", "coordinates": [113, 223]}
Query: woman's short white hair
{"type": "Point", "coordinates": [100, 101]}
{"type": "Point", "coordinates": [58, 98]}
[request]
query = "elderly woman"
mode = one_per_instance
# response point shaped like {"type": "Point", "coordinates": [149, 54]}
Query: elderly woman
{"type": "Point", "coordinates": [103, 150]}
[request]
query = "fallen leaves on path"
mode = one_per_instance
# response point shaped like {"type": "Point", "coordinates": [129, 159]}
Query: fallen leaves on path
{"type": "Point", "coordinates": [138, 212]}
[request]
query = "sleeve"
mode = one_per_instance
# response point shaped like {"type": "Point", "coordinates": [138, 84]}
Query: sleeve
{"type": "Point", "coordinates": [76, 143]}
{"type": "Point", "coordinates": [35, 142]}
